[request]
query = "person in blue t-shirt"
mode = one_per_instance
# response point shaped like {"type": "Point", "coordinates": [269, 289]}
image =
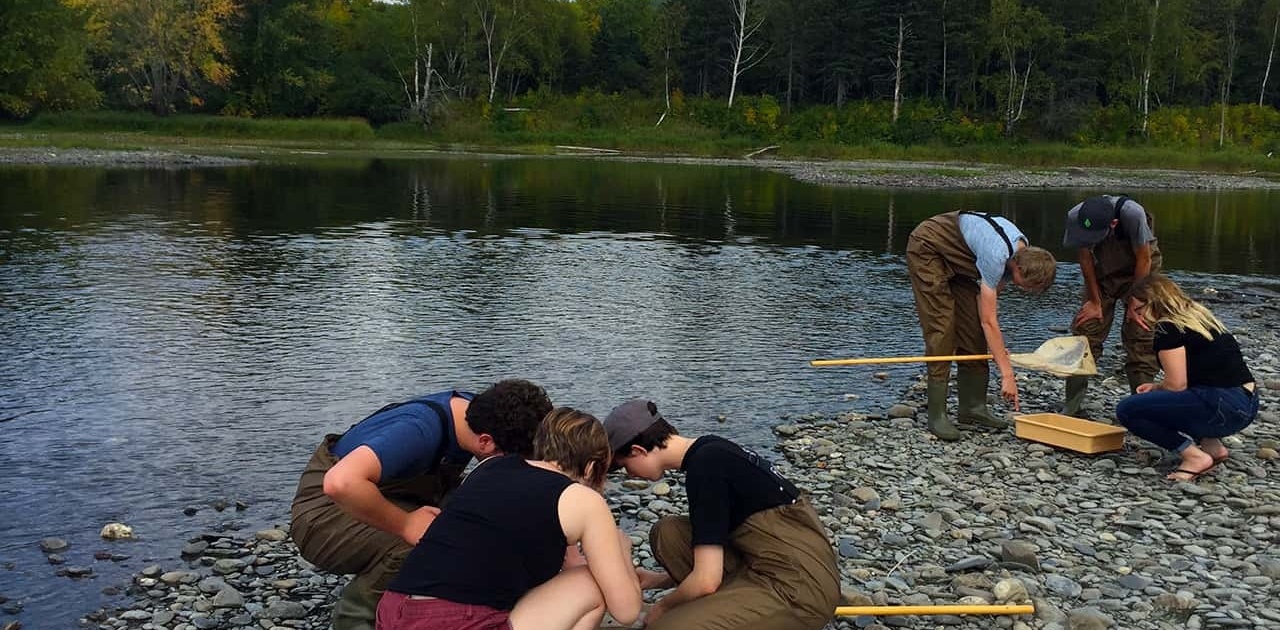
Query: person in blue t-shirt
{"type": "Point", "coordinates": [958, 263]}
{"type": "Point", "coordinates": [367, 495]}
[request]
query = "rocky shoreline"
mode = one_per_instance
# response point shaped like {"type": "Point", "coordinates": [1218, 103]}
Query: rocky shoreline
{"type": "Point", "coordinates": [872, 173]}
{"type": "Point", "coordinates": [115, 158]}
{"type": "Point", "coordinates": [1099, 541]}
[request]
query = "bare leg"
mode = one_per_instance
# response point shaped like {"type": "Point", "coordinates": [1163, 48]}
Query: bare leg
{"type": "Point", "coordinates": [1215, 448]}
{"type": "Point", "coordinates": [568, 601]}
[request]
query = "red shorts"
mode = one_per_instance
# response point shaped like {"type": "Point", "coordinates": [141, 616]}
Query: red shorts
{"type": "Point", "coordinates": [397, 611]}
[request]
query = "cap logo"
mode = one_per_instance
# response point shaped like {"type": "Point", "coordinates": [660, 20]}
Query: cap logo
{"type": "Point", "coordinates": [1088, 223]}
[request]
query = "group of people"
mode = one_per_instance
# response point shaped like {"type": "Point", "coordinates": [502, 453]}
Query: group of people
{"type": "Point", "coordinates": [528, 541]}
{"type": "Point", "coordinates": [960, 261]}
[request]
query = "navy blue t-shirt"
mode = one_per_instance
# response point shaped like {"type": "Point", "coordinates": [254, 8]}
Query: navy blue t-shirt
{"type": "Point", "coordinates": [406, 436]}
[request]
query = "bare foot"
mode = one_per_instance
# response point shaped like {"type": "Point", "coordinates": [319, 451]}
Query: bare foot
{"type": "Point", "coordinates": [1195, 462]}
{"type": "Point", "coordinates": [1214, 448]}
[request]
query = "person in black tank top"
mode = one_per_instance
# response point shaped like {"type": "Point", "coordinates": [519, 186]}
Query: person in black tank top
{"type": "Point", "coordinates": [495, 558]}
{"type": "Point", "coordinates": [1207, 393]}
{"type": "Point", "coordinates": [751, 554]}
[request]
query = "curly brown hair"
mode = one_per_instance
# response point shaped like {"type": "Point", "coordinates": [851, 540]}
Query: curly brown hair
{"type": "Point", "coordinates": [509, 412]}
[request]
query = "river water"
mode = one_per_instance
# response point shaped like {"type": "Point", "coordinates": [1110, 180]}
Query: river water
{"type": "Point", "coordinates": [173, 337]}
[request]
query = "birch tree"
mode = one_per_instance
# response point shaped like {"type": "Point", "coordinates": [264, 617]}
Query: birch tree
{"type": "Point", "coordinates": [897, 70]}
{"type": "Point", "coordinates": [664, 42]}
{"type": "Point", "coordinates": [1144, 101]}
{"type": "Point", "coordinates": [1230, 46]}
{"type": "Point", "coordinates": [1271, 53]}
{"type": "Point", "coordinates": [744, 53]}
{"type": "Point", "coordinates": [1017, 33]}
{"type": "Point", "coordinates": [503, 23]}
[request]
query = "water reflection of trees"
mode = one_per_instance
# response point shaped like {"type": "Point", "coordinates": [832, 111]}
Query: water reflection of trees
{"type": "Point", "coordinates": [1199, 230]}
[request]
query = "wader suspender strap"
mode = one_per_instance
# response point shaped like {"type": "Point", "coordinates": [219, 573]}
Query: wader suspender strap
{"type": "Point", "coordinates": [1119, 228]}
{"type": "Point", "coordinates": [999, 230]}
{"type": "Point", "coordinates": [440, 413]}
{"type": "Point", "coordinates": [444, 431]}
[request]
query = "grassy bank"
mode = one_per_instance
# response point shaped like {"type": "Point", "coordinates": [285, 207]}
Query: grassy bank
{"type": "Point", "coordinates": [677, 136]}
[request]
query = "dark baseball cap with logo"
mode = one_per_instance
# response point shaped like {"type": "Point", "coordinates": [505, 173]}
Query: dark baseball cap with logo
{"type": "Point", "coordinates": [1090, 222]}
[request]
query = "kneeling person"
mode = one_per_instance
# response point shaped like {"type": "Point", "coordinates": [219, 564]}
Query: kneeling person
{"type": "Point", "coordinates": [751, 554]}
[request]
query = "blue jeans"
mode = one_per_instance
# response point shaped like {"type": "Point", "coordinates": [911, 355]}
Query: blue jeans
{"type": "Point", "coordinates": [1176, 420]}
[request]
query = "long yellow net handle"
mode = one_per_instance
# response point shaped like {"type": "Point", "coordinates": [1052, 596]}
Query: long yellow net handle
{"type": "Point", "coordinates": [875, 360]}
{"type": "Point", "coordinates": [957, 609]}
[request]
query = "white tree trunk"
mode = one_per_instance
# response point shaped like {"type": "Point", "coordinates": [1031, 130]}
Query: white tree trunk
{"type": "Point", "coordinates": [1145, 99]}
{"type": "Point", "coordinates": [897, 73]}
{"type": "Point", "coordinates": [489, 25]}
{"type": "Point", "coordinates": [742, 55]}
{"type": "Point", "coordinates": [1270, 56]}
{"type": "Point", "coordinates": [944, 53]}
{"type": "Point", "coordinates": [1226, 80]}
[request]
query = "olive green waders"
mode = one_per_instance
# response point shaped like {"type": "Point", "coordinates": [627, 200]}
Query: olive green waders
{"type": "Point", "coordinates": [1114, 262]}
{"type": "Point", "coordinates": [944, 281]}
{"type": "Point", "coordinates": [336, 542]}
{"type": "Point", "coordinates": [780, 573]}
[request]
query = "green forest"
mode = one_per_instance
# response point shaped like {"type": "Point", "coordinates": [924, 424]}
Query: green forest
{"type": "Point", "coordinates": [1189, 75]}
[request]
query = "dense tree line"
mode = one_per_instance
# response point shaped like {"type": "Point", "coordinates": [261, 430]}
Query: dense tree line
{"type": "Point", "coordinates": [1040, 67]}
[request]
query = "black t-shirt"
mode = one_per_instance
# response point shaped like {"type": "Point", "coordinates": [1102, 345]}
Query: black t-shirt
{"type": "Point", "coordinates": [726, 484]}
{"type": "Point", "coordinates": [498, 538]}
{"type": "Point", "coordinates": [1215, 362]}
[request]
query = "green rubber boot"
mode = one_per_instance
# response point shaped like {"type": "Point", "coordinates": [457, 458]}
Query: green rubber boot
{"type": "Point", "coordinates": [939, 424]}
{"type": "Point", "coordinates": [1076, 387]}
{"type": "Point", "coordinates": [971, 387]}
{"type": "Point", "coordinates": [356, 606]}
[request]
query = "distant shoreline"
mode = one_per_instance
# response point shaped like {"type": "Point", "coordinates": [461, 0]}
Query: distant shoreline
{"type": "Point", "coordinates": [870, 173]}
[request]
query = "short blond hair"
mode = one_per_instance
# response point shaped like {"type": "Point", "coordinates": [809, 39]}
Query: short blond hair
{"type": "Point", "coordinates": [1037, 266]}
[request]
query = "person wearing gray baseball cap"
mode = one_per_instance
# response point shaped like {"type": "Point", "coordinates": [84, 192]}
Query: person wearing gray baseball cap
{"type": "Point", "coordinates": [752, 552]}
{"type": "Point", "coordinates": [1117, 247]}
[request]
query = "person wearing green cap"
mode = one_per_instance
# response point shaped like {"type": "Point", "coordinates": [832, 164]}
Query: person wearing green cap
{"type": "Point", "coordinates": [1117, 246]}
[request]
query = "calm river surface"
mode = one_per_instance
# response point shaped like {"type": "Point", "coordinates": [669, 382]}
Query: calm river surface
{"type": "Point", "coordinates": [168, 338]}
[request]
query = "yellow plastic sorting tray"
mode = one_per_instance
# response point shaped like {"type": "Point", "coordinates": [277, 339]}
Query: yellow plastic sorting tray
{"type": "Point", "coordinates": [1066, 432]}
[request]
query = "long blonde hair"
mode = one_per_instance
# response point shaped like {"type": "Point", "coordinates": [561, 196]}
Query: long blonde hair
{"type": "Point", "coordinates": [576, 442]}
{"type": "Point", "coordinates": [1166, 302]}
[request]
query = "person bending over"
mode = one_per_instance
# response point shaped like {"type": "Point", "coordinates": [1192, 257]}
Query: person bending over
{"type": "Point", "coordinates": [367, 495]}
{"type": "Point", "coordinates": [751, 555]}
{"type": "Point", "coordinates": [959, 262]}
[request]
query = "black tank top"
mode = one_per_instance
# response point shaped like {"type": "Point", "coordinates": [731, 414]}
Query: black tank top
{"type": "Point", "coordinates": [498, 537]}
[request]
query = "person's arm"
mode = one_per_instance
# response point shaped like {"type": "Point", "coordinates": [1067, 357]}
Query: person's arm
{"type": "Point", "coordinates": [352, 483]}
{"type": "Point", "coordinates": [1141, 269]}
{"type": "Point", "coordinates": [995, 342]}
{"type": "Point", "coordinates": [1092, 307]}
{"type": "Point", "coordinates": [1174, 363]}
{"type": "Point", "coordinates": [703, 580]}
{"type": "Point", "coordinates": [586, 517]}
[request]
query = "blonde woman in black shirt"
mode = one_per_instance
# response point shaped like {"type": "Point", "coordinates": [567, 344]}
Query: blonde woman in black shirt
{"type": "Point", "coordinates": [1207, 393]}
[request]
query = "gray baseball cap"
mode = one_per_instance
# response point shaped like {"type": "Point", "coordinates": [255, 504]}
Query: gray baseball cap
{"type": "Point", "coordinates": [628, 420]}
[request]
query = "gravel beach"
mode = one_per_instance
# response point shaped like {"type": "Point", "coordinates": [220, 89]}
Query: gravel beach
{"type": "Point", "coordinates": [1100, 541]}
{"type": "Point", "coordinates": [873, 173]}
